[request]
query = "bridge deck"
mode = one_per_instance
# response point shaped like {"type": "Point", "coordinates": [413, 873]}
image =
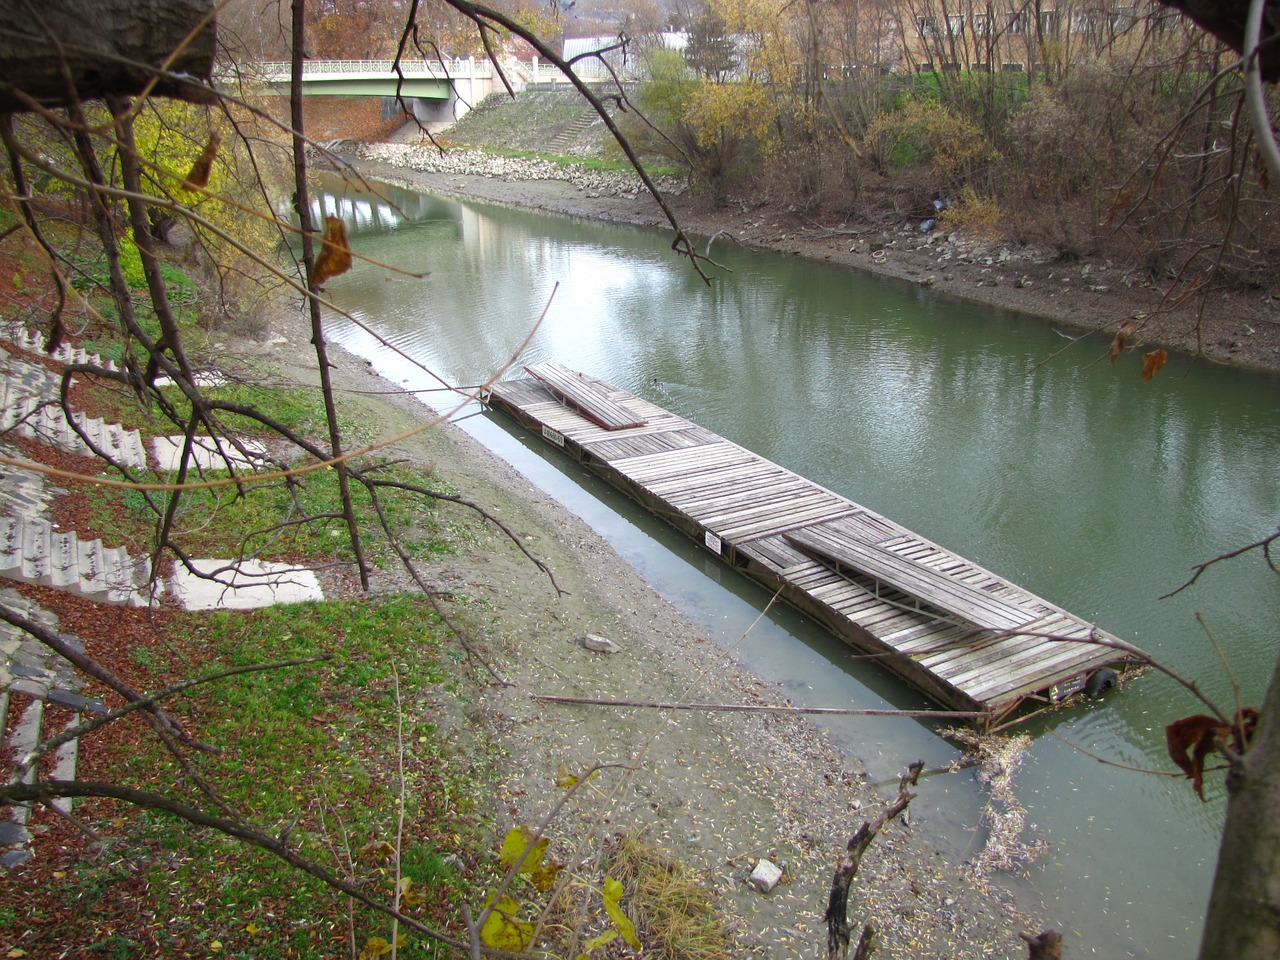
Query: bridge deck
{"type": "Point", "coordinates": [965, 636]}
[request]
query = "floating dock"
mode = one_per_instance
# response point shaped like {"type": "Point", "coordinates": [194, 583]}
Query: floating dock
{"type": "Point", "coordinates": [966, 637]}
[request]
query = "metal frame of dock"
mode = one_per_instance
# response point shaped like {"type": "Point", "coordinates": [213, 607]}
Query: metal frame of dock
{"type": "Point", "coordinates": [966, 637]}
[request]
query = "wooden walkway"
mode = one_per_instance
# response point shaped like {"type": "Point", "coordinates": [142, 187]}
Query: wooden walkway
{"type": "Point", "coordinates": [968, 638]}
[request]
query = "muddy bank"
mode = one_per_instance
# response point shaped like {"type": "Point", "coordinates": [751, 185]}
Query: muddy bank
{"type": "Point", "coordinates": [1240, 328]}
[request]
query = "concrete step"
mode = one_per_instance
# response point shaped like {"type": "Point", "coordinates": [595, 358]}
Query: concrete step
{"type": "Point", "coordinates": [66, 353]}
{"type": "Point", "coordinates": [28, 407]}
{"type": "Point", "coordinates": [31, 677]}
{"type": "Point", "coordinates": [31, 551]}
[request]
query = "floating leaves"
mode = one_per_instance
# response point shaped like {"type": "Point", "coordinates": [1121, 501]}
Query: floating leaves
{"type": "Point", "coordinates": [1206, 735]}
{"type": "Point", "coordinates": [335, 252]}
{"type": "Point", "coordinates": [1153, 363]}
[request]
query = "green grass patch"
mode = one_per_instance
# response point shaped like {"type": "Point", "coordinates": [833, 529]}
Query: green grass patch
{"type": "Point", "coordinates": [317, 747]}
{"type": "Point", "coordinates": [279, 519]}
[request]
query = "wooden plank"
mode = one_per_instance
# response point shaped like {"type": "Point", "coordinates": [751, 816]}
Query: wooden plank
{"type": "Point", "coordinates": [587, 394]}
{"type": "Point", "coordinates": [912, 578]}
{"type": "Point", "coordinates": [773, 526]}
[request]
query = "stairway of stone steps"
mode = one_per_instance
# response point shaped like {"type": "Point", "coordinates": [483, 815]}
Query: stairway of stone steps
{"type": "Point", "coordinates": [27, 410]}
{"type": "Point", "coordinates": [33, 551]}
{"type": "Point", "coordinates": [31, 677]}
{"type": "Point", "coordinates": [573, 132]}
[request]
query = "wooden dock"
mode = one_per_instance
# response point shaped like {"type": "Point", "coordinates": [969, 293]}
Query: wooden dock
{"type": "Point", "coordinates": [965, 636]}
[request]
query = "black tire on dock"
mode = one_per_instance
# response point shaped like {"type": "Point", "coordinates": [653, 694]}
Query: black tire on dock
{"type": "Point", "coordinates": [1101, 681]}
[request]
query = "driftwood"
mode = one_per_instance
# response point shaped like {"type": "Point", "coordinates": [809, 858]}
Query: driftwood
{"type": "Point", "coordinates": [838, 903]}
{"type": "Point", "coordinates": [53, 52]}
{"type": "Point", "coordinates": [760, 708]}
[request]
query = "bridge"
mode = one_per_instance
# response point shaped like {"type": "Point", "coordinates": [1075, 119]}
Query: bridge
{"type": "Point", "coordinates": [434, 80]}
{"type": "Point", "coordinates": [435, 89]}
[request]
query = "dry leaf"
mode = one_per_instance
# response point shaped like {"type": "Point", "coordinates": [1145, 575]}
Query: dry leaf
{"type": "Point", "coordinates": [335, 253]}
{"type": "Point", "coordinates": [377, 850]}
{"type": "Point", "coordinates": [1206, 734]}
{"type": "Point", "coordinates": [198, 178]}
{"type": "Point", "coordinates": [1121, 201]}
{"type": "Point", "coordinates": [1153, 362]}
{"type": "Point", "coordinates": [1127, 330]}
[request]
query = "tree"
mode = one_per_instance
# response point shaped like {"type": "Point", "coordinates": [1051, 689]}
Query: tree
{"type": "Point", "coordinates": [711, 51]}
{"type": "Point", "coordinates": [1243, 920]}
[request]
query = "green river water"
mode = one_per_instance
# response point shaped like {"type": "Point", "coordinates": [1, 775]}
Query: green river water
{"type": "Point", "coordinates": [1065, 474]}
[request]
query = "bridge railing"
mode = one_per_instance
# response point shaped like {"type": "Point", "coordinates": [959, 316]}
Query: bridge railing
{"type": "Point", "coordinates": [279, 71]}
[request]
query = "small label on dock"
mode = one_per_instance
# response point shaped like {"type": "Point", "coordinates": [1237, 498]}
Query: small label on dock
{"type": "Point", "coordinates": [553, 435]}
{"type": "Point", "coordinates": [1060, 691]}
{"type": "Point", "coordinates": [712, 542]}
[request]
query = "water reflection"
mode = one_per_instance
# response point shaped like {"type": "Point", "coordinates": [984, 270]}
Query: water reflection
{"type": "Point", "coordinates": [1072, 477]}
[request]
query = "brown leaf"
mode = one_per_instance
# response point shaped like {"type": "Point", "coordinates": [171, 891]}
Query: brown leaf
{"type": "Point", "coordinates": [1153, 362]}
{"type": "Point", "coordinates": [1121, 201]}
{"type": "Point", "coordinates": [1127, 330]}
{"type": "Point", "coordinates": [377, 850]}
{"type": "Point", "coordinates": [1203, 732]}
{"type": "Point", "coordinates": [198, 178]}
{"type": "Point", "coordinates": [1206, 734]}
{"type": "Point", "coordinates": [335, 254]}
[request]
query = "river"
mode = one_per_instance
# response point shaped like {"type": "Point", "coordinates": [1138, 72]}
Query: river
{"type": "Point", "coordinates": [986, 431]}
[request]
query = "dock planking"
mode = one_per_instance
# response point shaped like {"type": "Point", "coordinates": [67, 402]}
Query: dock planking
{"type": "Point", "coordinates": [963, 635]}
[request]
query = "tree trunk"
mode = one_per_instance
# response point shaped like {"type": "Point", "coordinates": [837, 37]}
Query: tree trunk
{"type": "Point", "coordinates": [107, 47]}
{"type": "Point", "coordinates": [1244, 909]}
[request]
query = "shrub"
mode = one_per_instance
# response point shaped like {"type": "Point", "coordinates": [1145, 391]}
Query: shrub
{"type": "Point", "coordinates": [978, 217]}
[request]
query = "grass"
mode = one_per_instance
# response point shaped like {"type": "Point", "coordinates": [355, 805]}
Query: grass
{"type": "Point", "coordinates": [674, 914]}
{"type": "Point", "coordinates": [314, 747]}
{"type": "Point", "coordinates": [278, 520]}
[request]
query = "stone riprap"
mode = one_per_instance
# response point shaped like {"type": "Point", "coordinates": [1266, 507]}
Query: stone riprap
{"type": "Point", "coordinates": [477, 163]}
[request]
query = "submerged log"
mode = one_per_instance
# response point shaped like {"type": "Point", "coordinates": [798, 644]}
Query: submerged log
{"type": "Point", "coordinates": [56, 51]}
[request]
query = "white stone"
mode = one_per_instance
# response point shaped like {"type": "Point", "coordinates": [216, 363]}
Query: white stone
{"type": "Point", "coordinates": [599, 644]}
{"type": "Point", "coordinates": [765, 876]}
